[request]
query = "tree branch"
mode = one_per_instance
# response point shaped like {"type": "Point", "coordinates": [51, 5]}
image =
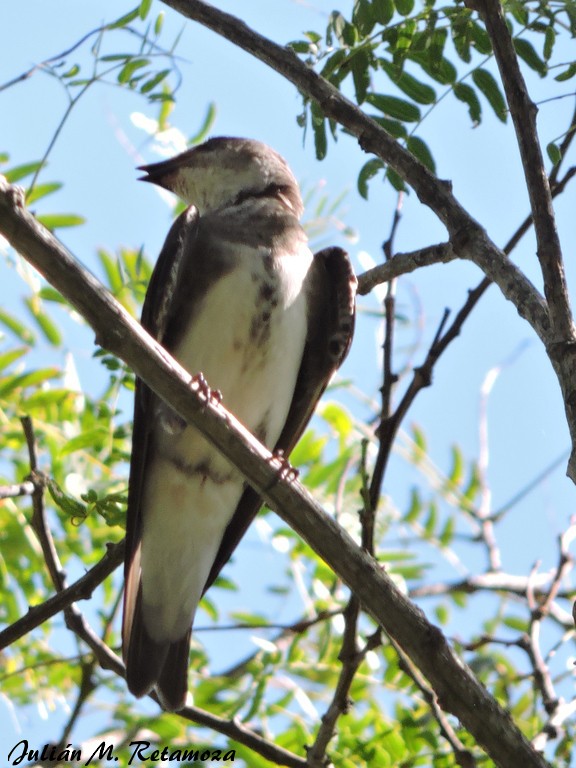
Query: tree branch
{"type": "Point", "coordinates": [79, 590]}
{"type": "Point", "coordinates": [403, 263]}
{"type": "Point", "coordinates": [458, 690]}
{"type": "Point", "coordinates": [523, 112]}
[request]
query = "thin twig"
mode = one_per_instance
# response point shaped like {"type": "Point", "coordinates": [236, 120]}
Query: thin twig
{"type": "Point", "coordinates": [79, 590]}
{"type": "Point", "coordinates": [26, 488]}
{"type": "Point", "coordinates": [463, 756]}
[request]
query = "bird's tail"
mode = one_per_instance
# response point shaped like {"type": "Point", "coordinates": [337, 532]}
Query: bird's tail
{"type": "Point", "coordinates": [162, 666]}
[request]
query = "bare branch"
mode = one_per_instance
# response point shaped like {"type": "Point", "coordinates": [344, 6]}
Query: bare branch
{"type": "Point", "coordinates": [523, 112]}
{"type": "Point", "coordinates": [79, 590]}
{"type": "Point", "coordinates": [403, 263]}
{"type": "Point", "coordinates": [18, 489]}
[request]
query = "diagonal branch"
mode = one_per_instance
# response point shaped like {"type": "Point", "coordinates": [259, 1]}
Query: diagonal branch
{"type": "Point", "coordinates": [79, 590]}
{"type": "Point", "coordinates": [456, 686]}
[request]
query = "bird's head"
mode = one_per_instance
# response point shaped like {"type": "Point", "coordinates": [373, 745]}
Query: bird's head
{"type": "Point", "coordinates": [224, 171]}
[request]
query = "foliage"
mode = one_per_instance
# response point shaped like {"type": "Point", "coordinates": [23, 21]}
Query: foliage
{"type": "Point", "coordinates": [404, 58]}
{"type": "Point", "coordinates": [399, 60]}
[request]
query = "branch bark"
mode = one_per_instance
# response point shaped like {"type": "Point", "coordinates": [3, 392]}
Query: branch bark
{"type": "Point", "coordinates": [523, 112]}
{"type": "Point", "coordinates": [459, 692]}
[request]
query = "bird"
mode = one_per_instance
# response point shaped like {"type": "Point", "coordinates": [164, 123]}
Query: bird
{"type": "Point", "coordinates": [237, 296]}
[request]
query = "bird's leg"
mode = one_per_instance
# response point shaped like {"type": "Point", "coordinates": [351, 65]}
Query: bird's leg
{"type": "Point", "coordinates": [285, 470]}
{"type": "Point", "coordinates": [200, 384]}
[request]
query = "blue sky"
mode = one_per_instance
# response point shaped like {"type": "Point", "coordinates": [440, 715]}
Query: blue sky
{"type": "Point", "coordinates": [96, 157]}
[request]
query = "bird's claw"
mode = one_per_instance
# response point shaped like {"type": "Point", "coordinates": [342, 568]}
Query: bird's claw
{"type": "Point", "coordinates": [210, 395]}
{"type": "Point", "coordinates": [285, 470]}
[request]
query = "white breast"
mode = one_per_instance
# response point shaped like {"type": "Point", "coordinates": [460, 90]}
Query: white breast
{"type": "Point", "coordinates": [249, 336]}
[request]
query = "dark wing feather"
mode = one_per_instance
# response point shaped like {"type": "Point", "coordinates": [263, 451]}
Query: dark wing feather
{"type": "Point", "coordinates": [144, 658]}
{"type": "Point", "coordinates": [331, 286]}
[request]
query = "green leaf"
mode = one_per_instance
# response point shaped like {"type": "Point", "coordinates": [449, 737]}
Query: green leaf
{"type": "Point", "coordinates": [487, 85]}
{"type": "Point", "coordinates": [88, 439]}
{"type": "Point", "coordinates": [159, 23]}
{"type": "Point", "coordinates": [338, 418]}
{"type": "Point", "coordinates": [31, 379]}
{"type": "Point", "coordinates": [519, 12]}
{"type": "Point", "coordinates": [300, 46]}
{"type": "Point", "coordinates": [360, 62]}
{"type": "Point", "coordinates": [513, 622]}
{"type": "Point", "coordinates": [124, 20]}
{"type": "Point", "coordinates": [51, 294]}
{"type": "Point", "coordinates": [439, 68]}
{"type": "Point", "coordinates": [421, 151]}
{"type": "Point", "coordinates": [456, 472]}
{"type": "Point", "coordinates": [395, 107]}
{"type": "Point", "coordinates": [480, 38]}
{"type": "Point", "coordinates": [45, 323]}
{"type": "Point", "coordinates": [396, 180]}
{"type": "Point", "coordinates": [363, 17]}
{"type": "Point", "coordinates": [404, 7]}
{"type": "Point", "coordinates": [21, 171]}
{"type": "Point", "coordinates": [442, 614]}
{"type": "Point", "coordinates": [72, 72]}
{"type": "Point", "coordinates": [431, 520]}
{"type": "Point", "coordinates": [7, 358]}
{"type": "Point", "coordinates": [144, 8]}
{"type": "Point", "coordinates": [420, 443]}
{"type": "Point", "coordinates": [42, 190]}
{"type": "Point", "coordinates": [411, 86]}
{"type": "Point", "coordinates": [319, 128]}
{"type": "Point", "coordinates": [346, 33]}
{"type": "Point", "coordinates": [116, 57]}
{"type": "Point", "coordinates": [150, 84]}
{"type": "Point", "coordinates": [206, 126]}
{"type": "Point", "coordinates": [527, 53]}
{"type": "Point", "coordinates": [467, 94]}
{"type": "Point", "coordinates": [314, 37]}
{"type": "Point", "coordinates": [383, 10]}
{"type": "Point", "coordinates": [43, 398]}
{"type": "Point", "coordinates": [549, 41]}
{"type": "Point", "coordinates": [128, 70]}
{"type": "Point", "coordinates": [554, 153]}
{"type": "Point", "coordinates": [58, 220]}
{"type": "Point", "coordinates": [447, 533]}
{"type": "Point", "coordinates": [394, 127]}
{"type": "Point", "coordinates": [17, 328]}
{"type": "Point", "coordinates": [567, 74]}
{"type": "Point", "coordinates": [66, 503]}
{"type": "Point", "coordinates": [415, 509]}
{"type": "Point", "coordinates": [113, 269]}
{"type": "Point", "coordinates": [368, 171]}
{"type": "Point", "coordinates": [333, 64]}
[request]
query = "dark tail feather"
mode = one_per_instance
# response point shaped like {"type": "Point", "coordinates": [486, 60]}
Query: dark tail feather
{"type": "Point", "coordinates": [163, 666]}
{"type": "Point", "coordinates": [172, 684]}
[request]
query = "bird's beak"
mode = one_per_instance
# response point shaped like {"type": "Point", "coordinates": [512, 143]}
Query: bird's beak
{"type": "Point", "coordinates": [155, 173]}
{"type": "Point", "coordinates": [162, 173]}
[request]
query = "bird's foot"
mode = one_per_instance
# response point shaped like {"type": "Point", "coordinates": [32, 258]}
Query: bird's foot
{"type": "Point", "coordinates": [200, 384]}
{"type": "Point", "coordinates": [285, 470]}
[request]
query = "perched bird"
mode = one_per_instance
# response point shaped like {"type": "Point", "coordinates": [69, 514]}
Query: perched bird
{"type": "Point", "coordinates": [238, 296]}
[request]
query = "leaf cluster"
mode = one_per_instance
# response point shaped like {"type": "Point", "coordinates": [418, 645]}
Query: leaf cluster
{"type": "Point", "coordinates": [404, 58]}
